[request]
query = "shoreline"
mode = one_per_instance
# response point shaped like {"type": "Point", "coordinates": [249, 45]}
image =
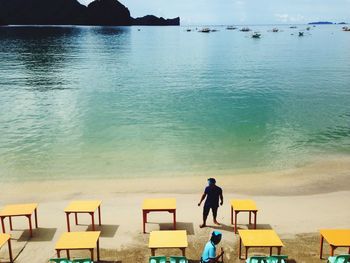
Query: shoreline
{"type": "Point", "coordinates": [322, 176]}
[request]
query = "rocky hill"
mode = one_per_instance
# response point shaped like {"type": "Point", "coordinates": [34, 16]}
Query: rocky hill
{"type": "Point", "coordinates": [71, 12]}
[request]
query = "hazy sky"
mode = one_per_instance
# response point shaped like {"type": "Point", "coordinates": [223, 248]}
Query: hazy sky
{"type": "Point", "coordinates": [242, 11]}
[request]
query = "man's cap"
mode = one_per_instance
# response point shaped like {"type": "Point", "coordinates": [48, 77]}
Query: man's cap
{"type": "Point", "coordinates": [216, 234]}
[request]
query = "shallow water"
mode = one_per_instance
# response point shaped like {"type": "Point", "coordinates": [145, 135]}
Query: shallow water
{"type": "Point", "coordinates": [88, 102]}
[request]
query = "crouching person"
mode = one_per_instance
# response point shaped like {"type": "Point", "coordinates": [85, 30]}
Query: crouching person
{"type": "Point", "coordinates": [209, 253]}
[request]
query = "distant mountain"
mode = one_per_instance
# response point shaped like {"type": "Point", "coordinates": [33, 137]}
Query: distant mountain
{"type": "Point", "coordinates": [42, 12]}
{"type": "Point", "coordinates": [2, 22]}
{"type": "Point", "coordinates": [71, 12]}
{"type": "Point", "coordinates": [321, 23]}
{"type": "Point", "coordinates": [156, 21]}
{"type": "Point", "coordinates": [108, 13]}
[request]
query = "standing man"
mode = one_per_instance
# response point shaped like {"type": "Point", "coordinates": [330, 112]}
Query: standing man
{"type": "Point", "coordinates": [213, 193]}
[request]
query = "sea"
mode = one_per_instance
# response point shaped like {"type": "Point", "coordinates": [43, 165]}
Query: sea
{"type": "Point", "coordinates": [121, 102]}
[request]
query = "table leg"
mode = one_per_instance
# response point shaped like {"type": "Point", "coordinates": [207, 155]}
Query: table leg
{"type": "Point", "coordinates": [92, 254]}
{"type": "Point", "coordinates": [153, 252]}
{"type": "Point", "coordinates": [183, 250]}
{"type": "Point", "coordinates": [236, 222]}
{"type": "Point", "coordinates": [76, 218]}
{"type": "Point", "coordinates": [93, 221]}
{"type": "Point", "coordinates": [255, 214]}
{"type": "Point", "coordinates": [30, 225]}
{"type": "Point", "coordinates": [246, 252]}
{"type": "Point", "coordinates": [240, 248]}
{"type": "Point", "coordinates": [144, 220]}
{"type": "Point", "coordinates": [349, 251]}
{"type": "Point", "coordinates": [10, 250]}
{"type": "Point", "coordinates": [68, 225]}
{"type": "Point", "coordinates": [3, 224]}
{"type": "Point", "coordinates": [68, 254]}
{"type": "Point", "coordinates": [58, 253]}
{"type": "Point", "coordinates": [10, 220]}
{"type": "Point", "coordinates": [250, 217]}
{"type": "Point", "coordinates": [231, 215]}
{"type": "Point", "coordinates": [99, 215]}
{"type": "Point", "coordinates": [98, 250]}
{"type": "Point", "coordinates": [332, 250]}
{"type": "Point", "coordinates": [36, 217]}
{"type": "Point", "coordinates": [279, 250]}
{"type": "Point", "coordinates": [174, 219]}
{"type": "Point", "coordinates": [321, 247]}
{"type": "Point", "coordinates": [270, 251]}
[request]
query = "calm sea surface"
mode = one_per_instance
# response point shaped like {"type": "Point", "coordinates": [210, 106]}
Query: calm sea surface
{"type": "Point", "coordinates": [86, 102]}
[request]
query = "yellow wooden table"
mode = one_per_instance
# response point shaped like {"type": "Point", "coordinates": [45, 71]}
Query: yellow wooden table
{"type": "Point", "coordinates": [168, 239]}
{"type": "Point", "coordinates": [79, 241]}
{"type": "Point", "coordinates": [6, 238]}
{"type": "Point", "coordinates": [259, 238]}
{"type": "Point", "coordinates": [88, 207]}
{"type": "Point", "coordinates": [158, 205]}
{"type": "Point", "coordinates": [335, 238]}
{"type": "Point", "coordinates": [26, 210]}
{"type": "Point", "coordinates": [239, 205]}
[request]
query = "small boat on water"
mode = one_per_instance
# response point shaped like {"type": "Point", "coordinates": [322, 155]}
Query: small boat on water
{"type": "Point", "coordinates": [256, 35]}
{"type": "Point", "coordinates": [231, 28]}
{"type": "Point", "coordinates": [292, 27]}
{"type": "Point", "coordinates": [301, 34]}
{"type": "Point", "coordinates": [188, 30]}
{"type": "Point", "coordinates": [204, 30]}
{"type": "Point", "coordinates": [214, 30]}
{"type": "Point", "coordinates": [345, 28]}
{"type": "Point", "coordinates": [275, 30]}
{"type": "Point", "coordinates": [245, 29]}
{"type": "Point", "coordinates": [308, 28]}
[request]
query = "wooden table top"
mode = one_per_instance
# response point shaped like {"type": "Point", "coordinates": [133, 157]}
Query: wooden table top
{"type": "Point", "coordinates": [78, 240]}
{"type": "Point", "coordinates": [159, 204]}
{"type": "Point", "coordinates": [18, 209]}
{"type": "Point", "coordinates": [260, 238]}
{"type": "Point", "coordinates": [83, 206]}
{"type": "Point", "coordinates": [243, 205]}
{"type": "Point", "coordinates": [168, 239]}
{"type": "Point", "coordinates": [336, 237]}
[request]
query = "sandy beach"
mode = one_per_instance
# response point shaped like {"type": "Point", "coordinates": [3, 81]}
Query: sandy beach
{"type": "Point", "coordinates": [295, 203]}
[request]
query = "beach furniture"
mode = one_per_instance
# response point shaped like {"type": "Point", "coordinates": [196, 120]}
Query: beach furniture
{"type": "Point", "coordinates": [159, 259]}
{"type": "Point", "coordinates": [339, 259]}
{"type": "Point", "coordinates": [84, 207]}
{"type": "Point", "coordinates": [175, 259]}
{"type": "Point", "coordinates": [168, 239]}
{"type": "Point", "coordinates": [6, 238]}
{"type": "Point", "coordinates": [335, 238]}
{"type": "Point", "coordinates": [158, 205]}
{"type": "Point", "coordinates": [82, 260]}
{"type": "Point", "coordinates": [277, 259]}
{"type": "Point", "coordinates": [59, 260]}
{"type": "Point", "coordinates": [266, 238]}
{"type": "Point", "coordinates": [239, 205]}
{"type": "Point", "coordinates": [256, 259]}
{"type": "Point", "coordinates": [79, 241]}
{"type": "Point", "coordinates": [26, 210]}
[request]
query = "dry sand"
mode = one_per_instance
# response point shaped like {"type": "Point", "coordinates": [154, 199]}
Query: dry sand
{"type": "Point", "coordinates": [295, 203]}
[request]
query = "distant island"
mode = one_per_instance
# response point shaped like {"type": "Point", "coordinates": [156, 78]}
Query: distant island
{"type": "Point", "coordinates": [321, 23]}
{"type": "Point", "coordinates": [71, 12]}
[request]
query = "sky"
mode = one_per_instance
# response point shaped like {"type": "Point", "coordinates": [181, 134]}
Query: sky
{"type": "Point", "coordinates": [224, 12]}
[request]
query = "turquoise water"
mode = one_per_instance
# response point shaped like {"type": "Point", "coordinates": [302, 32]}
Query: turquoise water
{"type": "Point", "coordinates": [86, 102]}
